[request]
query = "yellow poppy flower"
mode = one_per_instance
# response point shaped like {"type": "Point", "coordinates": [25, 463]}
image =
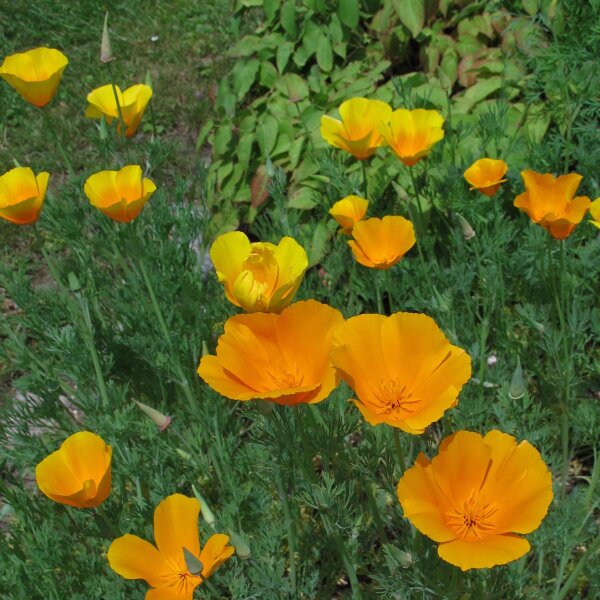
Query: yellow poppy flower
{"type": "Point", "coordinates": [258, 276]}
{"type": "Point", "coordinates": [78, 473]}
{"type": "Point", "coordinates": [120, 195]}
{"type": "Point", "coordinates": [549, 201]}
{"type": "Point", "coordinates": [595, 212]}
{"type": "Point", "coordinates": [358, 131]}
{"type": "Point", "coordinates": [348, 211]}
{"type": "Point", "coordinates": [381, 243]}
{"type": "Point", "coordinates": [402, 368]}
{"type": "Point", "coordinates": [22, 195]}
{"type": "Point", "coordinates": [412, 133]}
{"type": "Point", "coordinates": [133, 102]}
{"type": "Point", "coordinates": [283, 358]}
{"type": "Point", "coordinates": [165, 567]}
{"type": "Point", "coordinates": [35, 74]}
{"type": "Point", "coordinates": [486, 175]}
{"type": "Point", "coordinates": [476, 496]}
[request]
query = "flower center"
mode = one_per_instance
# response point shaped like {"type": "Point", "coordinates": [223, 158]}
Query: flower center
{"type": "Point", "coordinates": [180, 579]}
{"type": "Point", "coordinates": [283, 378]}
{"type": "Point", "coordinates": [391, 396]}
{"type": "Point", "coordinates": [263, 266]}
{"type": "Point", "coordinates": [475, 519]}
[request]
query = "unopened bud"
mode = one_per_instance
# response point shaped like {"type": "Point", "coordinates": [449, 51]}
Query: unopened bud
{"type": "Point", "coordinates": [402, 193]}
{"type": "Point", "coordinates": [205, 351]}
{"type": "Point", "coordinates": [467, 231]}
{"type": "Point", "coordinates": [517, 384]}
{"type": "Point", "coordinates": [160, 420]}
{"type": "Point", "coordinates": [148, 79]}
{"type": "Point", "coordinates": [241, 548]}
{"type": "Point", "coordinates": [207, 514]}
{"type": "Point", "coordinates": [106, 54]}
{"type": "Point", "coordinates": [193, 563]}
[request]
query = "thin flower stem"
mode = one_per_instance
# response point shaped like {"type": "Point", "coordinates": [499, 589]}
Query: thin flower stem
{"type": "Point", "coordinates": [365, 179]}
{"type": "Point", "coordinates": [308, 464]}
{"type": "Point", "coordinates": [375, 513]}
{"type": "Point", "coordinates": [418, 199]}
{"type": "Point", "coordinates": [119, 110]}
{"type": "Point", "coordinates": [399, 452]}
{"type": "Point", "coordinates": [211, 588]}
{"type": "Point", "coordinates": [290, 532]}
{"type": "Point", "coordinates": [183, 380]}
{"type": "Point", "coordinates": [50, 124]}
{"type": "Point", "coordinates": [348, 564]}
{"type": "Point", "coordinates": [109, 524]}
{"type": "Point", "coordinates": [562, 594]}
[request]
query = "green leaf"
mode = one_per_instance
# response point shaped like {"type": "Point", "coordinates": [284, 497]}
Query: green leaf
{"type": "Point", "coordinates": [270, 7]}
{"type": "Point", "coordinates": [267, 134]}
{"type": "Point", "coordinates": [206, 129]}
{"type": "Point", "coordinates": [476, 93]}
{"type": "Point", "coordinates": [303, 199]}
{"type": "Point", "coordinates": [284, 51]}
{"type": "Point", "coordinates": [412, 14]}
{"type": "Point", "coordinates": [288, 19]}
{"type": "Point", "coordinates": [325, 53]}
{"type": "Point", "coordinates": [319, 244]}
{"type": "Point", "coordinates": [222, 139]}
{"type": "Point", "coordinates": [348, 12]}
{"type": "Point", "coordinates": [268, 74]}
{"type": "Point", "coordinates": [244, 74]}
{"type": "Point", "coordinates": [293, 86]}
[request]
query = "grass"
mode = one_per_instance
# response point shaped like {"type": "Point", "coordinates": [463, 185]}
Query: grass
{"type": "Point", "coordinates": [311, 492]}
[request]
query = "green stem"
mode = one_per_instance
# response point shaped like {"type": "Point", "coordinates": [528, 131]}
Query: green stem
{"type": "Point", "coordinates": [308, 463]}
{"type": "Point", "coordinates": [50, 124]}
{"type": "Point", "coordinates": [183, 381]}
{"type": "Point", "coordinates": [290, 533]}
{"type": "Point", "coordinates": [348, 564]}
{"type": "Point", "coordinates": [562, 594]}
{"type": "Point", "coordinates": [109, 524]}
{"type": "Point", "coordinates": [120, 112]}
{"type": "Point", "coordinates": [211, 588]}
{"type": "Point", "coordinates": [398, 446]}
{"type": "Point", "coordinates": [365, 179]}
{"type": "Point", "coordinates": [375, 513]}
{"type": "Point", "coordinates": [418, 199]}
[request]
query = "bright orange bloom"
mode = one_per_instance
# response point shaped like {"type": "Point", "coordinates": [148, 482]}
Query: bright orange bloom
{"type": "Point", "coordinates": [133, 102]}
{"type": "Point", "coordinates": [281, 358]}
{"type": "Point", "coordinates": [35, 74]}
{"type": "Point", "coordinates": [486, 175]}
{"type": "Point", "coordinates": [165, 567]}
{"type": "Point", "coordinates": [595, 212]}
{"type": "Point", "coordinates": [412, 133]}
{"type": "Point", "coordinates": [348, 211]}
{"type": "Point", "coordinates": [120, 195]}
{"type": "Point", "coordinates": [358, 131]}
{"type": "Point", "coordinates": [549, 202]}
{"type": "Point", "coordinates": [381, 243]}
{"type": "Point", "coordinates": [258, 276]}
{"type": "Point", "coordinates": [476, 496]}
{"type": "Point", "coordinates": [22, 195]}
{"type": "Point", "coordinates": [78, 473]}
{"type": "Point", "coordinates": [402, 368]}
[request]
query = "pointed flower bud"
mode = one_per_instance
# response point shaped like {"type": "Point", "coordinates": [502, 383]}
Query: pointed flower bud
{"type": "Point", "coordinates": [241, 548]}
{"type": "Point", "coordinates": [207, 514]}
{"type": "Point", "coordinates": [517, 385]}
{"type": "Point", "coordinates": [160, 420]}
{"type": "Point", "coordinates": [194, 566]}
{"type": "Point", "coordinates": [467, 231]}
{"type": "Point", "coordinates": [106, 54]}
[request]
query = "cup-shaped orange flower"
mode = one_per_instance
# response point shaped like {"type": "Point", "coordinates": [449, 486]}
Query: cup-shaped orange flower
{"type": "Point", "coordinates": [549, 201]}
{"type": "Point", "coordinates": [595, 212]}
{"type": "Point", "coordinates": [133, 102]}
{"type": "Point", "coordinates": [78, 473]}
{"type": "Point", "coordinates": [121, 194]}
{"type": "Point", "coordinates": [258, 276]}
{"type": "Point", "coordinates": [412, 133]}
{"type": "Point", "coordinates": [283, 358]}
{"type": "Point", "coordinates": [381, 243]}
{"type": "Point", "coordinates": [348, 211]}
{"type": "Point", "coordinates": [35, 74]}
{"type": "Point", "coordinates": [402, 368]}
{"type": "Point", "coordinates": [486, 175]}
{"type": "Point", "coordinates": [22, 194]}
{"type": "Point", "coordinates": [358, 131]}
{"type": "Point", "coordinates": [176, 566]}
{"type": "Point", "coordinates": [476, 496]}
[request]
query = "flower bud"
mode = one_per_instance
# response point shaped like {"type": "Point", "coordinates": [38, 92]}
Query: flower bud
{"type": "Point", "coordinates": [106, 54]}
{"type": "Point", "coordinates": [160, 420]}
{"type": "Point", "coordinates": [467, 231]}
{"type": "Point", "coordinates": [207, 514]}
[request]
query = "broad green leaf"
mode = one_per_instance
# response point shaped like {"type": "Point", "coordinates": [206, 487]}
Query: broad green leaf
{"type": "Point", "coordinates": [244, 74]}
{"type": "Point", "coordinates": [293, 87]}
{"type": "Point", "coordinates": [203, 134]}
{"type": "Point", "coordinates": [288, 19]}
{"type": "Point", "coordinates": [448, 72]}
{"type": "Point", "coordinates": [348, 12]}
{"type": "Point", "coordinates": [244, 149]}
{"type": "Point", "coordinates": [284, 51]}
{"type": "Point", "coordinates": [222, 139]}
{"type": "Point", "coordinates": [476, 93]}
{"type": "Point", "coordinates": [303, 199]}
{"type": "Point", "coordinates": [319, 244]}
{"type": "Point", "coordinates": [268, 74]}
{"type": "Point", "coordinates": [270, 7]}
{"type": "Point", "coordinates": [325, 53]}
{"type": "Point", "coordinates": [412, 14]}
{"type": "Point", "coordinates": [267, 134]}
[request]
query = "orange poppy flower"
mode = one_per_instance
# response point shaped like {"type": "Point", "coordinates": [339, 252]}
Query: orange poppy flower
{"type": "Point", "coordinates": [258, 276]}
{"type": "Point", "coordinates": [595, 212]}
{"type": "Point", "coordinates": [22, 194]}
{"type": "Point", "coordinates": [120, 195]}
{"type": "Point", "coordinates": [168, 567]}
{"type": "Point", "coordinates": [402, 368]}
{"type": "Point", "coordinates": [133, 102]}
{"type": "Point", "coordinates": [549, 202]}
{"type": "Point", "coordinates": [476, 496]}
{"type": "Point", "coordinates": [35, 74]}
{"type": "Point", "coordinates": [78, 473]}
{"type": "Point", "coordinates": [348, 211]}
{"type": "Point", "coordinates": [486, 175]}
{"type": "Point", "coordinates": [358, 131]}
{"type": "Point", "coordinates": [412, 133]}
{"type": "Point", "coordinates": [381, 243]}
{"type": "Point", "coordinates": [283, 358]}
